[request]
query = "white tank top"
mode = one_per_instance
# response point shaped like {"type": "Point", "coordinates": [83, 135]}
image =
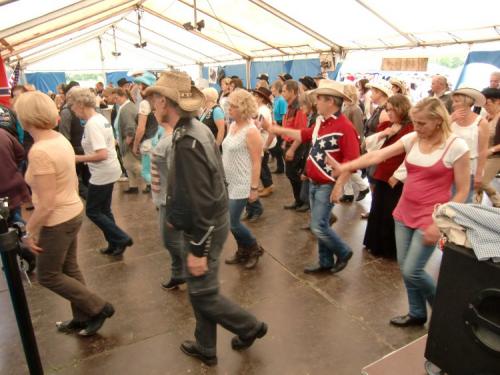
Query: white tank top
{"type": "Point", "coordinates": [237, 162]}
{"type": "Point", "coordinates": [470, 133]}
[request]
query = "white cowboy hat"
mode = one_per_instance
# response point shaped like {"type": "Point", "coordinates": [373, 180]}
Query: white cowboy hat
{"type": "Point", "coordinates": [177, 87]}
{"type": "Point", "coordinates": [399, 83]}
{"type": "Point", "coordinates": [331, 88]}
{"type": "Point", "coordinates": [479, 98]}
{"type": "Point", "coordinates": [381, 85]}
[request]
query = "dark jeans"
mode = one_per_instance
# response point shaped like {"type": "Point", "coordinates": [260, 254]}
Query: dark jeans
{"type": "Point", "coordinates": [58, 270]}
{"type": "Point", "coordinates": [209, 306]}
{"type": "Point", "coordinates": [241, 233]}
{"type": "Point", "coordinates": [294, 169]}
{"type": "Point", "coordinates": [99, 211]}
{"type": "Point", "coordinates": [265, 174]}
{"type": "Point", "coordinates": [254, 208]}
{"type": "Point", "coordinates": [173, 240]}
{"type": "Point", "coordinates": [277, 153]}
{"type": "Point", "coordinates": [83, 173]}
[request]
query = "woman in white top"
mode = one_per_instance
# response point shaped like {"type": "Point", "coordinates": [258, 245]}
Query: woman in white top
{"type": "Point", "coordinates": [473, 129]}
{"type": "Point", "coordinates": [98, 143]}
{"type": "Point", "coordinates": [241, 157]}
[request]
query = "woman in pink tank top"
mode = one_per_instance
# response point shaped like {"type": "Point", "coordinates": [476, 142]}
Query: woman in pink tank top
{"type": "Point", "coordinates": [435, 159]}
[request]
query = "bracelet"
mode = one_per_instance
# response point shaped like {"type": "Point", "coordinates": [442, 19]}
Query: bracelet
{"type": "Point", "coordinates": [254, 188]}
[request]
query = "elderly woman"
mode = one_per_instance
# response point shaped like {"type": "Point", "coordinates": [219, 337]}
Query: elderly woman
{"type": "Point", "coordinates": [213, 115]}
{"type": "Point", "coordinates": [353, 112]}
{"type": "Point", "coordinates": [53, 227]}
{"type": "Point", "coordinates": [98, 143]}
{"type": "Point", "coordinates": [398, 86]}
{"type": "Point", "coordinates": [241, 156]}
{"type": "Point", "coordinates": [379, 234]}
{"type": "Point", "coordinates": [435, 159]}
{"type": "Point", "coordinates": [474, 129]}
{"type": "Point", "coordinates": [492, 167]}
{"type": "Point", "coordinates": [381, 90]}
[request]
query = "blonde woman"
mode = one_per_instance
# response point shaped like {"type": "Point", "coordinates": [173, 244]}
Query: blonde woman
{"type": "Point", "coordinates": [241, 157]}
{"type": "Point", "coordinates": [213, 115]}
{"type": "Point", "coordinates": [435, 159]}
{"type": "Point", "coordinates": [53, 227]}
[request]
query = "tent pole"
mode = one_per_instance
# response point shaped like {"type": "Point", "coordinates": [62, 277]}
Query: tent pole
{"type": "Point", "coordinates": [102, 60]}
{"type": "Point", "coordinates": [248, 71]}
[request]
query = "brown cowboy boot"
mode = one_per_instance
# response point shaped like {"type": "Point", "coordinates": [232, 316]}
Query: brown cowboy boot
{"type": "Point", "coordinates": [254, 253]}
{"type": "Point", "coordinates": [240, 256]}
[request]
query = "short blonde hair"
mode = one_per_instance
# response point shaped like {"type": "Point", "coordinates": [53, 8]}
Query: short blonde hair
{"type": "Point", "coordinates": [36, 109]}
{"type": "Point", "coordinates": [245, 102]}
{"type": "Point", "coordinates": [81, 96]}
{"type": "Point", "coordinates": [434, 108]}
{"type": "Point", "coordinates": [211, 94]}
{"type": "Point", "coordinates": [308, 99]}
{"type": "Point", "coordinates": [352, 92]}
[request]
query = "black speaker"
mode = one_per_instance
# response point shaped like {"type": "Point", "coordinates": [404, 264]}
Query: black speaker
{"type": "Point", "coordinates": [464, 332]}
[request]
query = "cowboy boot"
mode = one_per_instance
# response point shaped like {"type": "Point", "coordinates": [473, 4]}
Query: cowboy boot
{"type": "Point", "coordinates": [254, 253]}
{"type": "Point", "coordinates": [240, 256]}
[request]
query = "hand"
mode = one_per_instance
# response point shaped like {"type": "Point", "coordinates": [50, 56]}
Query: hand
{"type": "Point", "coordinates": [128, 140]}
{"type": "Point", "coordinates": [135, 150]}
{"type": "Point", "coordinates": [458, 114]}
{"type": "Point", "coordinates": [478, 181]}
{"type": "Point", "coordinates": [197, 266]}
{"type": "Point", "coordinates": [303, 177]}
{"type": "Point", "coordinates": [336, 195]}
{"type": "Point", "coordinates": [254, 194]}
{"type": "Point", "coordinates": [30, 243]}
{"type": "Point", "coordinates": [290, 154]}
{"type": "Point", "coordinates": [392, 181]}
{"type": "Point", "coordinates": [338, 169]}
{"type": "Point", "coordinates": [431, 235]}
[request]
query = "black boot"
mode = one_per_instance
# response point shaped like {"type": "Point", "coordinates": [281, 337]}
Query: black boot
{"type": "Point", "coordinates": [95, 323]}
{"type": "Point", "coordinates": [237, 343]}
{"type": "Point", "coordinates": [240, 256]}
{"type": "Point", "coordinates": [191, 349]}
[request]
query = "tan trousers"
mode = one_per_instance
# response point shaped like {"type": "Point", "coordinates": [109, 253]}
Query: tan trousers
{"type": "Point", "coordinates": [490, 170]}
{"type": "Point", "coordinates": [133, 167]}
{"type": "Point", "coordinates": [58, 270]}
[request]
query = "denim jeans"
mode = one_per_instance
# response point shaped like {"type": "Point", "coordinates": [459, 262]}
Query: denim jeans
{"type": "Point", "coordinates": [413, 255]}
{"type": "Point", "coordinates": [209, 306]}
{"type": "Point", "coordinates": [265, 173]}
{"type": "Point", "coordinates": [329, 242]}
{"type": "Point", "coordinates": [254, 208]}
{"type": "Point", "coordinates": [241, 233]}
{"type": "Point", "coordinates": [173, 240]}
{"type": "Point", "coordinates": [99, 211]}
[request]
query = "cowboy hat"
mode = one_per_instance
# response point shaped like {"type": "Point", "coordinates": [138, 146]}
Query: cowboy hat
{"type": "Point", "coordinates": [264, 77]}
{"type": "Point", "coordinates": [177, 87]}
{"type": "Point", "coordinates": [331, 88]}
{"type": "Point", "coordinates": [479, 99]}
{"type": "Point", "coordinates": [147, 79]}
{"type": "Point", "coordinates": [264, 94]}
{"type": "Point", "coordinates": [399, 83]}
{"type": "Point", "coordinates": [122, 82]}
{"type": "Point", "coordinates": [285, 76]}
{"type": "Point", "coordinates": [381, 85]}
{"type": "Point", "coordinates": [308, 82]}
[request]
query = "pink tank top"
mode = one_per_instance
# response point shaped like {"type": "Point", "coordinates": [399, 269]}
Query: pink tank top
{"type": "Point", "coordinates": [423, 189]}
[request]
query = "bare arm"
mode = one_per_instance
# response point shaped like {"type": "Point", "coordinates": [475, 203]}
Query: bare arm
{"type": "Point", "coordinates": [254, 145]}
{"type": "Point", "coordinates": [278, 130]}
{"type": "Point", "coordinates": [482, 152]}
{"type": "Point", "coordinates": [221, 130]}
{"type": "Point", "coordinates": [139, 132]}
{"type": "Point", "coordinates": [98, 155]}
{"type": "Point", "coordinates": [461, 173]}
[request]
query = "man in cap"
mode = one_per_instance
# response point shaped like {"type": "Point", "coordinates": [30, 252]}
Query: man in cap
{"type": "Point", "coordinates": [335, 137]}
{"type": "Point", "coordinates": [197, 204]}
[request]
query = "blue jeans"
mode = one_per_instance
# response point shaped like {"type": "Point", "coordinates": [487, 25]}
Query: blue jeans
{"type": "Point", "coordinates": [241, 233]}
{"type": "Point", "coordinates": [254, 208]}
{"type": "Point", "coordinates": [329, 242]}
{"type": "Point", "coordinates": [413, 255]}
{"type": "Point", "coordinates": [98, 210]}
{"type": "Point", "coordinates": [173, 240]}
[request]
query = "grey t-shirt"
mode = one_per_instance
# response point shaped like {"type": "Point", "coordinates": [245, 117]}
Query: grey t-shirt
{"type": "Point", "coordinates": [159, 168]}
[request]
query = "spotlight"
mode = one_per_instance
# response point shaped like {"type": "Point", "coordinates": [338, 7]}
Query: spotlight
{"type": "Point", "coordinates": [140, 45]}
{"type": "Point", "coordinates": [200, 25]}
{"type": "Point", "coordinates": [188, 26]}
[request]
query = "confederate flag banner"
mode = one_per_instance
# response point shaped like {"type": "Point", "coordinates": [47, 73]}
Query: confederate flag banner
{"type": "Point", "coordinates": [4, 85]}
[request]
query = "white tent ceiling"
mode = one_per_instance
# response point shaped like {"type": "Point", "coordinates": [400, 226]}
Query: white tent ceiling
{"type": "Point", "coordinates": [63, 34]}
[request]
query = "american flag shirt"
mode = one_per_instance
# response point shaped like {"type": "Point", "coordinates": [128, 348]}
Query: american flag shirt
{"type": "Point", "coordinates": [335, 136]}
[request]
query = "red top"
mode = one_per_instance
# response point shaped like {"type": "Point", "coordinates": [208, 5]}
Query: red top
{"type": "Point", "coordinates": [336, 137]}
{"type": "Point", "coordinates": [386, 169]}
{"type": "Point", "coordinates": [424, 188]}
{"type": "Point", "coordinates": [294, 119]}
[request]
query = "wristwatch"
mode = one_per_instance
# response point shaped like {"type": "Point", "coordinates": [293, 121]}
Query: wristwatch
{"type": "Point", "coordinates": [254, 188]}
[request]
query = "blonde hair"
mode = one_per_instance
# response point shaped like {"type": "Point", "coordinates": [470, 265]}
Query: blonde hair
{"type": "Point", "coordinates": [81, 96]}
{"type": "Point", "coordinates": [36, 109]}
{"type": "Point", "coordinates": [352, 93]}
{"type": "Point", "coordinates": [245, 102]}
{"type": "Point", "coordinates": [308, 99]}
{"type": "Point", "coordinates": [467, 100]}
{"type": "Point", "coordinates": [211, 94]}
{"type": "Point", "coordinates": [434, 109]}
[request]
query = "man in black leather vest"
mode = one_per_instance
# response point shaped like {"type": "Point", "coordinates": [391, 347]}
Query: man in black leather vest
{"type": "Point", "coordinates": [197, 204]}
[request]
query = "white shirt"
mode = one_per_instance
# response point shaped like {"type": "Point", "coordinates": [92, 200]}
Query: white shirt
{"type": "Point", "coordinates": [98, 135]}
{"type": "Point", "coordinates": [266, 114]}
{"type": "Point", "coordinates": [470, 134]}
{"type": "Point", "coordinates": [144, 107]}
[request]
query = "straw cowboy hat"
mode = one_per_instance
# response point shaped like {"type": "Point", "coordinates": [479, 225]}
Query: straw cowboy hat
{"type": "Point", "coordinates": [479, 99]}
{"type": "Point", "coordinates": [264, 94]}
{"type": "Point", "coordinates": [399, 83]}
{"type": "Point", "coordinates": [177, 87]}
{"type": "Point", "coordinates": [381, 85]}
{"type": "Point", "coordinates": [331, 88]}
